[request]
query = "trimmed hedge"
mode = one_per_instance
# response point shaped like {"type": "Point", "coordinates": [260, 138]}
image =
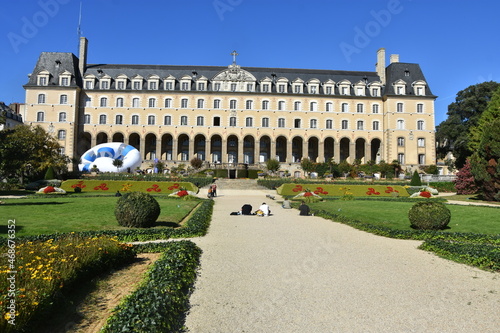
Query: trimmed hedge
{"type": "Point", "coordinates": [196, 225]}
{"type": "Point", "coordinates": [161, 302]}
{"type": "Point", "coordinates": [137, 210]}
{"type": "Point", "coordinates": [112, 186]}
{"type": "Point", "coordinates": [484, 256]}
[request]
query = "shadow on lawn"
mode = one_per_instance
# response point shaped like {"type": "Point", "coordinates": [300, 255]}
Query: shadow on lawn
{"type": "Point", "coordinates": [4, 228]}
{"type": "Point", "coordinates": [33, 203]}
{"type": "Point", "coordinates": [166, 224]}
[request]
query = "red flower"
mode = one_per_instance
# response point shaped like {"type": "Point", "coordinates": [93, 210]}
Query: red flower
{"type": "Point", "coordinates": [308, 194]}
{"type": "Point", "coordinates": [425, 194]}
{"type": "Point", "coordinates": [297, 188]}
{"type": "Point", "coordinates": [103, 187]}
{"type": "Point", "coordinates": [49, 189]}
{"type": "Point", "coordinates": [182, 193]}
{"type": "Point", "coordinates": [371, 191]}
{"type": "Point", "coordinates": [155, 188]}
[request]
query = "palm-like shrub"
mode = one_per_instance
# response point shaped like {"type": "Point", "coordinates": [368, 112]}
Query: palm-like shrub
{"type": "Point", "coordinates": [429, 215]}
{"type": "Point", "coordinates": [137, 210]}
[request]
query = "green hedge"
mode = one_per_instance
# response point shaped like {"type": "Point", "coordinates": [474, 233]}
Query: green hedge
{"type": "Point", "coordinates": [330, 190]}
{"type": "Point", "coordinates": [485, 256]}
{"type": "Point", "coordinates": [221, 173]}
{"type": "Point", "coordinates": [112, 186]}
{"type": "Point", "coordinates": [161, 302]}
{"type": "Point", "coordinates": [444, 186]}
{"type": "Point", "coordinates": [197, 225]}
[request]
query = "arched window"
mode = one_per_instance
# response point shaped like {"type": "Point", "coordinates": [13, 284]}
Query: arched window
{"type": "Point", "coordinates": [41, 98]}
{"type": "Point", "coordinates": [103, 102]}
{"type": "Point", "coordinates": [167, 120]}
{"type": "Point", "coordinates": [376, 125]}
{"type": "Point", "coordinates": [63, 99]}
{"type": "Point", "coordinates": [119, 102]}
{"type": "Point", "coordinates": [420, 125]}
{"type": "Point", "coordinates": [119, 119]}
{"type": "Point", "coordinates": [135, 119]}
{"type": "Point", "coordinates": [61, 135]}
{"type": "Point", "coordinates": [329, 124]}
{"type": "Point", "coordinates": [40, 116]}
{"type": "Point", "coordinates": [152, 102]}
{"type": "Point", "coordinates": [249, 122]}
{"type": "Point", "coordinates": [184, 120]}
{"type": "Point", "coordinates": [102, 119]}
{"type": "Point", "coordinates": [200, 121]}
{"type": "Point", "coordinates": [62, 117]}
{"type": "Point", "coordinates": [168, 102]}
{"type": "Point", "coordinates": [135, 102]}
{"type": "Point", "coordinates": [151, 120]}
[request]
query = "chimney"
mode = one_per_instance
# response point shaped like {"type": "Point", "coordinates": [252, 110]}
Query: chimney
{"type": "Point", "coordinates": [380, 66]}
{"type": "Point", "coordinates": [82, 64]}
{"type": "Point", "coordinates": [394, 58]}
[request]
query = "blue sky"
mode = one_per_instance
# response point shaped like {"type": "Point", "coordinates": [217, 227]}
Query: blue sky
{"type": "Point", "coordinates": [455, 42]}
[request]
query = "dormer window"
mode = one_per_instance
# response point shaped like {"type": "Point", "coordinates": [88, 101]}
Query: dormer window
{"type": "Point", "coordinates": [400, 87]}
{"type": "Point", "coordinates": [297, 89]}
{"type": "Point", "coordinates": [265, 87]}
{"type": "Point", "coordinates": [104, 84]}
{"type": "Point", "coordinates": [120, 85]}
{"type": "Point", "coordinates": [65, 81]}
{"type": "Point", "coordinates": [186, 83]}
{"type": "Point", "coordinates": [419, 87]}
{"type": "Point", "coordinates": [153, 82]}
{"type": "Point", "coordinates": [43, 78]}
{"type": "Point", "coordinates": [313, 86]}
{"type": "Point", "coordinates": [137, 85]}
{"type": "Point", "coordinates": [344, 87]}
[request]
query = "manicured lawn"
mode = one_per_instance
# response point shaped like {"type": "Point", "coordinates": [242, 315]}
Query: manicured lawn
{"type": "Point", "coordinates": [73, 213]}
{"type": "Point", "coordinates": [484, 220]}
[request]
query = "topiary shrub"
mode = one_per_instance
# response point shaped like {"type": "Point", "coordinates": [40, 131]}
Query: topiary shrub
{"type": "Point", "coordinates": [429, 215]}
{"type": "Point", "coordinates": [137, 210]}
{"type": "Point", "coordinates": [415, 179]}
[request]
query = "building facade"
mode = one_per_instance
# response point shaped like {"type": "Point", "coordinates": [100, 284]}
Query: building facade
{"type": "Point", "coordinates": [233, 115]}
{"type": "Point", "coordinates": [9, 116]}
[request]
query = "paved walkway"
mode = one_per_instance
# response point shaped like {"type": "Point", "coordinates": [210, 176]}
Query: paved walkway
{"type": "Point", "coordinates": [289, 273]}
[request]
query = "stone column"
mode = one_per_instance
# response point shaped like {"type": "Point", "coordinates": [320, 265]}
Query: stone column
{"type": "Point", "coordinates": [321, 152]}
{"type": "Point", "coordinates": [224, 151]}
{"type": "Point", "coordinates": [336, 151]}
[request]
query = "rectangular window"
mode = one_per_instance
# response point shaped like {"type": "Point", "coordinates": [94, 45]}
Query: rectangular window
{"type": "Point", "coordinates": [167, 120]}
{"type": "Point", "coordinates": [420, 125]}
{"type": "Point", "coordinates": [265, 88]}
{"type": "Point", "coordinates": [281, 105]}
{"type": "Point", "coordinates": [121, 85]}
{"type": "Point", "coordinates": [153, 85]}
{"type": "Point", "coordinates": [296, 89]}
{"type": "Point", "coordinates": [201, 86]}
{"type": "Point", "coordinates": [40, 116]}
{"type": "Point", "coordinates": [201, 103]}
{"type": "Point", "coordinates": [420, 108]}
{"type": "Point", "coordinates": [345, 107]}
{"type": "Point", "coordinates": [399, 107]}
{"type": "Point", "coordinates": [152, 102]}
{"type": "Point", "coordinates": [345, 124]}
{"type": "Point", "coordinates": [420, 91]}
{"type": "Point", "coordinates": [313, 123]}
{"type": "Point", "coordinates": [232, 121]}
{"type": "Point", "coordinates": [281, 122]}
{"type": "Point", "coordinates": [265, 122]}
{"type": "Point", "coordinates": [200, 121]}
{"type": "Point", "coordinates": [313, 89]}
{"type": "Point", "coordinates": [119, 119]}
{"type": "Point", "coordinates": [329, 90]}
{"type": "Point", "coordinates": [421, 158]}
{"type": "Point", "coordinates": [296, 123]}
{"type": "Point", "coordinates": [135, 120]}
{"type": "Point", "coordinates": [401, 142]}
{"type": "Point", "coordinates": [249, 122]}
{"type": "Point", "coordinates": [184, 120]}
{"type": "Point", "coordinates": [360, 91]}
{"type": "Point", "coordinates": [232, 104]}
{"type": "Point", "coordinates": [169, 85]}
{"type": "Point", "coordinates": [421, 142]}
{"type": "Point", "coordinates": [360, 125]}
{"type": "Point", "coordinates": [89, 85]}
{"type": "Point", "coordinates": [375, 108]}
{"type": "Point", "coordinates": [375, 126]}
{"type": "Point", "coordinates": [249, 87]}
{"type": "Point", "coordinates": [61, 134]}
{"type": "Point", "coordinates": [233, 86]}
{"type": "Point", "coordinates": [42, 81]}
{"type": "Point", "coordinates": [217, 86]}
{"type": "Point", "coordinates": [64, 81]}
{"type": "Point", "coordinates": [185, 85]}
{"type": "Point", "coordinates": [249, 105]}
{"type": "Point", "coordinates": [86, 119]}
{"type": "Point", "coordinates": [329, 107]}
{"type": "Point", "coordinates": [88, 101]}
{"type": "Point", "coordinates": [151, 120]}
{"type": "Point", "coordinates": [184, 103]}
{"type": "Point", "coordinates": [104, 84]}
{"type": "Point", "coordinates": [401, 158]}
{"type": "Point", "coordinates": [329, 124]}
{"type": "Point", "coordinates": [265, 105]}
{"type": "Point", "coordinates": [63, 99]}
{"type": "Point", "coordinates": [102, 119]}
{"type": "Point", "coordinates": [296, 106]}
{"type": "Point", "coordinates": [217, 104]}
{"type": "Point", "coordinates": [137, 85]}
{"type": "Point", "coordinates": [168, 102]}
{"type": "Point", "coordinates": [104, 102]}
{"type": "Point", "coordinates": [359, 108]}
{"type": "Point", "coordinates": [281, 88]}
{"type": "Point", "coordinates": [375, 92]}
{"type": "Point", "coordinates": [344, 90]}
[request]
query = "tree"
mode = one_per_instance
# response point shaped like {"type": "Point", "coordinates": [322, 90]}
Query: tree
{"type": "Point", "coordinates": [486, 161]}
{"type": "Point", "coordinates": [196, 163]}
{"type": "Point", "coordinates": [27, 151]}
{"type": "Point", "coordinates": [465, 183]}
{"type": "Point", "coordinates": [272, 165]}
{"type": "Point", "coordinates": [491, 113]}
{"type": "Point", "coordinates": [415, 179]}
{"type": "Point", "coordinates": [463, 114]}
{"type": "Point", "coordinates": [307, 165]}
{"type": "Point", "coordinates": [117, 163]}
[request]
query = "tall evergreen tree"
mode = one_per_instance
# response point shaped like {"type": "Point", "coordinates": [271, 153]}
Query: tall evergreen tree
{"type": "Point", "coordinates": [489, 115]}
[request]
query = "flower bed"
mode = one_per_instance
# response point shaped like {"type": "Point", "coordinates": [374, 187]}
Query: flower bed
{"type": "Point", "coordinates": [323, 190]}
{"type": "Point", "coordinates": [50, 268]}
{"type": "Point", "coordinates": [112, 186]}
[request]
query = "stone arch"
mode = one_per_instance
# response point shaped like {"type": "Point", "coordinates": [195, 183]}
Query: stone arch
{"type": "Point", "coordinates": [84, 143]}
{"type": "Point", "coordinates": [265, 149]}
{"type": "Point", "coordinates": [297, 151]}
{"type": "Point", "coordinates": [199, 147]}
{"type": "Point", "coordinates": [216, 148]}
{"type": "Point", "coordinates": [232, 148]}
{"type": "Point", "coordinates": [329, 148]}
{"type": "Point", "coordinates": [150, 147]}
{"type": "Point", "coordinates": [182, 148]}
{"type": "Point", "coordinates": [281, 148]}
{"type": "Point", "coordinates": [118, 137]}
{"type": "Point", "coordinates": [313, 149]}
{"type": "Point", "coordinates": [249, 149]}
{"type": "Point", "coordinates": [101, 138]}
{"type": "Point", "coordinates": [360, 150]}
{"type": "Point", "coordinates": [345, 144]}
{"type": "Point", "coordinates": [167, 147]}
{"type": "Point", "coordinates": [376, 150]}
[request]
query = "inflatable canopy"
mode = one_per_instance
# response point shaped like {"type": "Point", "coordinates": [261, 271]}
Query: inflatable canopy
{"type": "Point", "coordinates": [102, 157]}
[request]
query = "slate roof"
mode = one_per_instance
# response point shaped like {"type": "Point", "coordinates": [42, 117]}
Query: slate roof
{"type": "Point", "coordinates": [57, 62]}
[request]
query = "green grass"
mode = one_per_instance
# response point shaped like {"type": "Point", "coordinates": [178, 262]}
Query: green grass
{"type": "Point", "coordinates": [484, 220]}
{"type": "Point", "coordinates": [53, 214]}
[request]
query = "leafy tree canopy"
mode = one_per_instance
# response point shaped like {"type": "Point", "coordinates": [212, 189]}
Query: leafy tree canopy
{"type": "Point", "coordinates": [463, 114]}
{"type": "Point", "coordinates": [489, 115]}
{"type": "Point", "coordinates": [29, 151]}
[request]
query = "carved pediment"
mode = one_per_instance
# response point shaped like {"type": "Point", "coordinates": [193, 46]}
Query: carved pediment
{"type": "Point", "coordinates": [234, 73]}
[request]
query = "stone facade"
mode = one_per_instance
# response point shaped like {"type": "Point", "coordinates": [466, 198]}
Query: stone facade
{"type": "Point", "coordinates": [232, 115]}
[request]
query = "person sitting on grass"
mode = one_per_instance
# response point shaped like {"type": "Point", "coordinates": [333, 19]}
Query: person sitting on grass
{"type": "Point", "coordinates": [304, 209]}
{"type": "Point", "coordinates": [265, 209]}
{"type": "Point", "coordinates": [286, 204]}
{"type": "Point", "coordinates": [246, 209]}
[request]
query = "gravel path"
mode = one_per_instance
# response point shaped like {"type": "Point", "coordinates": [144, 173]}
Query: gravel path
{"type": "Point", "coordinates": [289, 273]}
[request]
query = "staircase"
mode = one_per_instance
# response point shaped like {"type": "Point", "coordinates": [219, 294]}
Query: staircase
{"type": "Point", "coordinates": [239, 184]}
